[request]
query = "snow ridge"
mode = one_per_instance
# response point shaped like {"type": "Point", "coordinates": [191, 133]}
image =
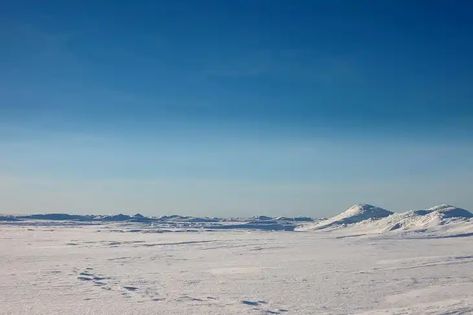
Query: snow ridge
{"type": "Point", "coordinates": [354, 214]}
{"type": "Point", "coordinates": [163, 223]}
{"type": "Point", "coordinates": [443, 220]}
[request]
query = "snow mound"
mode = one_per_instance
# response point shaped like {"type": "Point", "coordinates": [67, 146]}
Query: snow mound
{"type": "Point", "coordinates": [447, 211]}
{"type": "Point", "coordinates": [355, 214]}
{"type": "Point", "coordinates": [439, 221]}
{"type": "Point", "coordinates": [441, 217]}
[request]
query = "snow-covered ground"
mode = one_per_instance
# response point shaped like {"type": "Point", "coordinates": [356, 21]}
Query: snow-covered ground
{"type": "Point", "coordinates": [67, 267]}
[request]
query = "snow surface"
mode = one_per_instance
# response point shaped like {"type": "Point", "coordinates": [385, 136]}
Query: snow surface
{"type": "Point", "coordinates": [366, 261]}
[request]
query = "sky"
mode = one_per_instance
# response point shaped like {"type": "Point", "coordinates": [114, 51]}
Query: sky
{"type": "Point", "coordinates": [235, 108]}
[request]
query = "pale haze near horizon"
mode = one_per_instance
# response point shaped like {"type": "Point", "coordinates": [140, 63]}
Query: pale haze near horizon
{"type": "Point", "coordinates": [290, 179]}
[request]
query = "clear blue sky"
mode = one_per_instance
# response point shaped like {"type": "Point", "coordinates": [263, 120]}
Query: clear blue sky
{"type": "Point", "coordinates": [235, 107]}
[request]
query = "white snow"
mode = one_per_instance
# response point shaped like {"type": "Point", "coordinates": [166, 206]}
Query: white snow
{"type": "Point", "coordinates": [364, 261]}
{"type": "Point", "coordinates": [354, 214]}
{"type": "Point", "coordinates": [438, 221]}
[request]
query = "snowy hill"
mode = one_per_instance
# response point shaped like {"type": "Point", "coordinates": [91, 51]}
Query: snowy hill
{"type": "Point", "coordinates": [447, 211]}
{"type": "Point", "coordinates": [355, 214]}
{"type": "Point", "coordinates": [442, 220]}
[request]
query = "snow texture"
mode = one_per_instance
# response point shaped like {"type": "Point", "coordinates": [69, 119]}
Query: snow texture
{"type": "Point", "coordinates": [366, 260]}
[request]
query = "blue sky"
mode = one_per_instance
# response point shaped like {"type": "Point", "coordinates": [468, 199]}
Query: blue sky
{"type": "Point", "coordinates": [235, 107]}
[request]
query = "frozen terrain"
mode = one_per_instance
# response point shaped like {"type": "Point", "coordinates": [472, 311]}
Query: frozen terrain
{"type": "Point", "coordinates": [363, 261]}
{"type": "Point", "coordinates": [438, 221]}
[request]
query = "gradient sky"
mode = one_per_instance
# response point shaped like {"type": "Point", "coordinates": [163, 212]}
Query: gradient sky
{"type": "Point", "coordinates": [233, 108]}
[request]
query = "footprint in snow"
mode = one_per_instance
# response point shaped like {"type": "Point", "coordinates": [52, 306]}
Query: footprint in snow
{"type": "Point", "coordinates": [259, 306]}
{"type": "Point", "coordinates": [253, 303]}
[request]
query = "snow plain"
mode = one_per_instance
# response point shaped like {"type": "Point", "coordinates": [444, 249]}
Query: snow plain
{"type": "Point", "coordinates": [50, 267]}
